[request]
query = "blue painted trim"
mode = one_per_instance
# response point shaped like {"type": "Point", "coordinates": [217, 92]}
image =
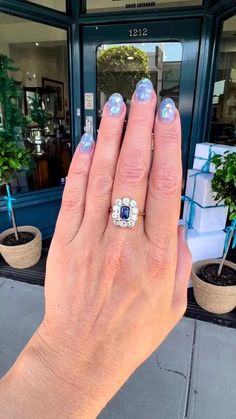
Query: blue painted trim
{"type": "Point", "coordinates": [39, 208]}
{"type": "Point", "coordinates": [76, 85]}
{"type": "Point", "coordinates": [34, 198]}
{"type": "Point", "coordinates": [202, 96]}
{"type": "Point", "coordinates": [140, 16]}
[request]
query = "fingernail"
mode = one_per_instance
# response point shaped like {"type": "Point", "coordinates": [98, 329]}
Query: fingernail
{"type": "Point", "coordinates": [144, 90]}
{"type": "Point", "coordinates": [167, 111]}
{"type": "Point", "coordinates": [115, 104]}
{"type": "Point", "coordinates": [86, 144]}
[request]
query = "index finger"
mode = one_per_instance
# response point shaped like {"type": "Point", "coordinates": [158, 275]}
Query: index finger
{"type": "Point", "coordinates": [164, 190]}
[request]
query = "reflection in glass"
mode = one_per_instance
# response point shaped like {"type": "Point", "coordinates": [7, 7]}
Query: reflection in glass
{"type": "Point", "coordinates": [121, 66]}
{"type": "Point", "coordinates": [39, 52]}
{"type": "Point", "coordinates": [223, 124]}
{"type": "Point", "coordinates": [52, 4]}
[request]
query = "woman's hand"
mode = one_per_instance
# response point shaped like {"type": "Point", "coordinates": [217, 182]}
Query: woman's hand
{"type": "Point", "coordinates": [112, 294]}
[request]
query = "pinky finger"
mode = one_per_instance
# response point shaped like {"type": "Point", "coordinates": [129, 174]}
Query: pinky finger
{"type": "Point", "coordinates": [74, 196]}
{"type": "Point", "coordinates": [183, 270]}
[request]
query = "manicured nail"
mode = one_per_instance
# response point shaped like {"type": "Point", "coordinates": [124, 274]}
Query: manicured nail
{"type": "Point", "coordinates": [167, 111]}
{"type": "Point", "coordinates": [144, 90]}
{"type": "Point", "coordinates": [86, 144]}
{"type": "Point", "coordinates": [115, 104]}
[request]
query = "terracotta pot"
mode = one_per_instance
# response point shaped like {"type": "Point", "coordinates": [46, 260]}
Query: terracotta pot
{"type": "Point", "coordinates": [213, 298]}
{"type": "Point", "coordinates": [24, 255]}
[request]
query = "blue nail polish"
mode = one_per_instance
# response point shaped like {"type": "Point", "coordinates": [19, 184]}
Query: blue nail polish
{"type": "Point", "coordinates": [144, 90]}
{"type": "Point", "coordinates": [86, 144]}
{"type": "Point", "coordinates": [115, 104]}
{"type": "Point", "coordinates": [167, 111]}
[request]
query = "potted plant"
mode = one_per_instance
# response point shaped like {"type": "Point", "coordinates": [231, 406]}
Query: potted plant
{"type": "Point", "coordinates": [20, 246]}
{"type": "Point", "coordinates": [214, 280]}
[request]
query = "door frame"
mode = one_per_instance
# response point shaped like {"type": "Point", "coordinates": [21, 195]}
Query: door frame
{"type": "Point", "coordinates": [187, 32]}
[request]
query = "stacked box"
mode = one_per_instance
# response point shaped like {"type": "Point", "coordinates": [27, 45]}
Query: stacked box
{"type": "Point", "coordinates": [206, 238]}
{"type": "Point", "coordinates": [202, 154]}
{"type": "Point", "coordinates": [206, 245]}
{"type": "Point", "coordinates": [208, 214]}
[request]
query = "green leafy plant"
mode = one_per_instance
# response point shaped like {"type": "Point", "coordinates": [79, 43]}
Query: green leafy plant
{"type": "Point", "coordinates": [224, 181]}
{"type": "Point", "coordinates": [119, 69]}
{"type": "Point", "coordinates": [38, 114]}
{"type": "Point", "coordinates": [224, 187]}
{"type": "Point", "coordinates": [10, 97]}
{"type": "Point", "coordinates": [13, 160]}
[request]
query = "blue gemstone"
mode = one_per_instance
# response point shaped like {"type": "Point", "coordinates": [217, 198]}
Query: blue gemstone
{"type": "Point", "coordinates": [124, 212]}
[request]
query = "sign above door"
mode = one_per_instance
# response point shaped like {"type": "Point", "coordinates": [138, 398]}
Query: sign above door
{"type": "Point", "coordinates": [93, 6]}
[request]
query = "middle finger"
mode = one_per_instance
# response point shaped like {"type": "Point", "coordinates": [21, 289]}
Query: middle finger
{"type": "Point", "coordinates": [134, 160]}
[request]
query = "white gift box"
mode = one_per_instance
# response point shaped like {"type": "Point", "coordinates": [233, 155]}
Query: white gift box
{"type": "Point", "coordinates": [202, 154]}
{"type": "Point", "coordinates": [206, 219]}
{"type": "Point", "coordinates": [198, 187]}
{"type": "Point", "coordinates": [206, 245]}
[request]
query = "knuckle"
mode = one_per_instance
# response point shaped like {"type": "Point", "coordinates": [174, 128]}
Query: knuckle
{"type": "Point", "coordinates": [141, 120]}
{"type": "Point", "coordinates": [109, 136]}
{"type": "Point", "coordinates": [80, 171]}
{"type": "Point", "coordinates": [169, 136]}
{"type": "Point", "coordinates": [166, 182]}
{"type": "Point", "coordinates": [158, 259]}
{"type": "Point", "coordinates": [72, 204]}
{"type": "Point", "coordinates": [102, 182]}
{"type": "Point", "coordinates": [121, 255]}
{"type": "Point", "coordinates": [132, 170]}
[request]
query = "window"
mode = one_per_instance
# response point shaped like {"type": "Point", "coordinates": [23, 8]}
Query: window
{"type": "Point", "coordinates": [40, 54]}
{"type": "Point", "coordinates": [223, 123]}
{"type": "Point", "coordinates": [121, 66]}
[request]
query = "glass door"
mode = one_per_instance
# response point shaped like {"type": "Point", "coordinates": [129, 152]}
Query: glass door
{"type": "Point", "coordinates": [116, 57]}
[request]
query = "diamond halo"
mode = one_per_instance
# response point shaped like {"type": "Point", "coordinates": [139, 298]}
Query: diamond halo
{"type": "Point", "coordinates": [125, 212]}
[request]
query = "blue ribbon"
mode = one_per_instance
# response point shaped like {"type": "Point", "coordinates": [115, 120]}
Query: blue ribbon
{"type": "Point", "coordinates": [191, 201]}
{"type": "Point", "coordinates": [9, 200]}
{"type": "Point", "coordinates": [229, 230]}
{"type": "Point", "coordinates": [206, 167]}
{"type": "Point", "coordinates": [191, 214]}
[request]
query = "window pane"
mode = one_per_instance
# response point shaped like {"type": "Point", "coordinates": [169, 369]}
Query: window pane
{"type": "Point", "coordinates": [94, 6]}
{"type": "Point", "coordinates": [53, 4]}
{"type": "Point", "coordinates": [161, 62]}
{"type": "Point", "coordinates": [223, 124]}
{"type": "Point", "coordinates": [39, 52]}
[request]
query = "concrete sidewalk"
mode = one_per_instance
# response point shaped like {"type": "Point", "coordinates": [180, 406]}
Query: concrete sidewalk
{"type": "Point", "coordinates": [191, 376]}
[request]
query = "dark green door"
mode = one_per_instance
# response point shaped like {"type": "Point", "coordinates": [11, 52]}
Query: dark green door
{"type": "Point", "coordinates": [114, 57]}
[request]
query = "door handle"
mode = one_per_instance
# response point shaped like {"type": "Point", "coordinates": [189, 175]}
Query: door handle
{"type": "Point", "coordinates": [89, 125]}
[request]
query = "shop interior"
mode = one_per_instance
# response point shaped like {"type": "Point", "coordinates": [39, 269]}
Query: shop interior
{"type": "Point", "coordinates": [40, 54]}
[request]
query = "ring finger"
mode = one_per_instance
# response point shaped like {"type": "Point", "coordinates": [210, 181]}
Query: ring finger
{"type": "Point", "coordinates": [98, 199]}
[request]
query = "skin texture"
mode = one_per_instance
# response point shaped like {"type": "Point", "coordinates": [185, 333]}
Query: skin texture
{"type": "Point", "coordinates": [112, 294]}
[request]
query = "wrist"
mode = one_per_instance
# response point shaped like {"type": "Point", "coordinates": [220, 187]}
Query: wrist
{"type": "Point", "coordinates": [43, 381]}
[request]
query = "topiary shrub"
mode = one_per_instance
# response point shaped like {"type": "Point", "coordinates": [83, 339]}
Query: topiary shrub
{"type": "Point", "coordinates": [116, 73]}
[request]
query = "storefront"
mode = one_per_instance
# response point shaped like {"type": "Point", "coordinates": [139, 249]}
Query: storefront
{"type": "Point", "coordinates": [187, 48]}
